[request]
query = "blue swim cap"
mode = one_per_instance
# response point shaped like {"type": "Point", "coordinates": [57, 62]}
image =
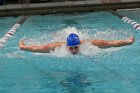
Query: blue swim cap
{"type": "Point", "coordinates": [73, 40]}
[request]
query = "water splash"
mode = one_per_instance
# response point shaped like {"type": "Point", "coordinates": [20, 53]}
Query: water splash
{"type": "Point", "coordinates": [63, 34]}
{"type": "Point", "coordinates": [84, 34]}
{"type": "Point", "coordinates": [61, 51]}
{"type": "Point", "coordinates": [87, 49]}
{"type": "Point", "coordinates": [114, 34]}
{"type": "Point", "coordinates": [15, 54]}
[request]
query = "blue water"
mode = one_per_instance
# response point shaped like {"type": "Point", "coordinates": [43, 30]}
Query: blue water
{"type": "Point", "coordinates": [113, 70]}
{"type": "Point", "coordinates": [6, 23]}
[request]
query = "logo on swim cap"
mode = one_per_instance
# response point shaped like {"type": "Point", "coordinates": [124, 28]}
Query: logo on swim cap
{"type": "Point", "coordinates": [73, 40]}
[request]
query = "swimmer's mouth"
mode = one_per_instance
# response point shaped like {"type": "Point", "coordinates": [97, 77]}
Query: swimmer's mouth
{"type": "Point", "coordinates": [75, 53]}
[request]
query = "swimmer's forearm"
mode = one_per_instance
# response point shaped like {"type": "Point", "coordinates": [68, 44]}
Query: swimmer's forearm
{"type": "Point", "coordinates": [42, 49]}
{"type": "Point", "coordinates": [115, 43]}
{"type": "Point", "coordinates": [32, 48]}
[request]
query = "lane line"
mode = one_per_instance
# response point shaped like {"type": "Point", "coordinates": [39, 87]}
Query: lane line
{"type": "Point", "coordinates": [125, 19]}
{"type": "Point", "coordinates": [13, 29]}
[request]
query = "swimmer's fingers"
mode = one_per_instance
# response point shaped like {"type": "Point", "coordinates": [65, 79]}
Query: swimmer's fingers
{"type": "Point", "coordinates": [21, 42]}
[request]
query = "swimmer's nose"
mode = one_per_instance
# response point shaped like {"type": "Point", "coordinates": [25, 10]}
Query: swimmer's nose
{"type": "Point", "coordinates": [74, 52]}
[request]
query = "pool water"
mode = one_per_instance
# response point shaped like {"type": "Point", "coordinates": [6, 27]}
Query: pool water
{"type": "Point", "coordinates": [94, 70]}
{"type": "Point", "coordinates": [6, 23]}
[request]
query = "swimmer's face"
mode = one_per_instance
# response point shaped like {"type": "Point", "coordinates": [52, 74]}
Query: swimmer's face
{"type": "Point", "coordinates": [74, 49]}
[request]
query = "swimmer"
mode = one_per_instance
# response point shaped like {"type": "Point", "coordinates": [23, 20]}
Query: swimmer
{"type": "Point", "coordinates": [73, 43]}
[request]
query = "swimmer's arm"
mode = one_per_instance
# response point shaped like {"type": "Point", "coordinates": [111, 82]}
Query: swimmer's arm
{"type": "Point", "coordinates": [109, 43]}
{"type": "Point", "coordinates": [41, 49]}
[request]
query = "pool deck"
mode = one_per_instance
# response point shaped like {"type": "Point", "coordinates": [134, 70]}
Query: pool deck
{"type": "Point", "coordinates": [65, 7]}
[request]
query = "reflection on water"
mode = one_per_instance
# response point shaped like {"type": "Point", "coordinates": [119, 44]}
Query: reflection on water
{"type": "Point", "coordinates": [76, 83]}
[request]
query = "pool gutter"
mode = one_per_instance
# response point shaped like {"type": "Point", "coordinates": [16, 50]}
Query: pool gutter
{"type": "Point", "coordinates": [64, 7]}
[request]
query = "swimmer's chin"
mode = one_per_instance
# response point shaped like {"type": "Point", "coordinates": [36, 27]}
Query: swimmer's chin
{"type": "Point", "coordinates": [74, 53]}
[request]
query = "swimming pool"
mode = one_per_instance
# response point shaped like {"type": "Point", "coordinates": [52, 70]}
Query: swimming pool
{"type": "Point", "coordinates": [113, 70]}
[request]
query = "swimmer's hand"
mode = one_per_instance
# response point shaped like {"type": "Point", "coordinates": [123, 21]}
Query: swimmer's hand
{"type": "Point", "coordinates": [21, 44]}
{"type": "Point", "coordinates": [131, 40]}
{"type": "Point", "coordinates": [40, 48]}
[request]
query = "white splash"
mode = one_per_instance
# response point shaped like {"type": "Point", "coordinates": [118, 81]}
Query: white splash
{"type": "Point", "coordinates": [63, 34]}
{"type": "Point", "coordinates": [15, 54]}
{"type": "Point", "coordinates": [88, 49]}
{"type": "Point", "coordinates": [85, 49]}
{"type": "Point", "coordinates": [113, 34]}
{"type": "Point", "coordinates": [60, 51]}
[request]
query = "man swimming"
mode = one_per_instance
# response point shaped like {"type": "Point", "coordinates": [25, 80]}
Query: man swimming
{"type": "Point", "coordinates": [73, 43]}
